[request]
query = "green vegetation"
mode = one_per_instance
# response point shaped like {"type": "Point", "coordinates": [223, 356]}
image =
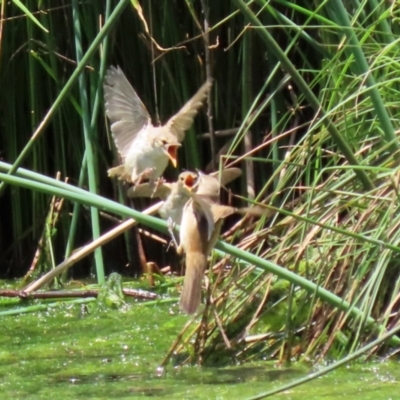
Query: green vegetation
{"type": "Point", "coordinates": [73, 352]}
{"type": "Point", "coordinates": [305, 101]}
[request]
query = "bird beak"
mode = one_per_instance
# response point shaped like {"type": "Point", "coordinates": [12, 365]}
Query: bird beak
{"type": "Point", "coordinates": [172, 152]}
{"type": "Point", "coordinates": [190, 182]}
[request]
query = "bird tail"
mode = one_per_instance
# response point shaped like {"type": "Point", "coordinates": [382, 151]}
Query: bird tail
{"type": "Point", "coordinates": [196, 263]}
{"type": "Point", "coordinates": [117, 171]}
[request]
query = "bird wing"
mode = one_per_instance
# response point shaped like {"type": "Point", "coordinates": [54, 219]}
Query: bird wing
{"type": "Point", "coordinates": [127, 113]}
{"type": "Point", "coordinates": [220, 212]}
{"type": "Point", "coordinates": [204, 209]}
{"type": "Point", "coordinates": [182, 121]}
{"type": "Point", "coordinates": [227, 175]}
{"type": "Point", "coordinates": [146, 190]}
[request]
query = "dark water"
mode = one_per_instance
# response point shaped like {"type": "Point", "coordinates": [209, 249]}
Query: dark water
{"type": "Point", "coordinates": [64, 353]}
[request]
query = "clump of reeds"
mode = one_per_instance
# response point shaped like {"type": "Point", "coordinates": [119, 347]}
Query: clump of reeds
{"type": "Point", "coordinates": [306, 103]}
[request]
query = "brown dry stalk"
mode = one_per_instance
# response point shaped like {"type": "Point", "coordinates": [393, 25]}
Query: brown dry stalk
{"type": "Point", "coordinates": [86, 250]}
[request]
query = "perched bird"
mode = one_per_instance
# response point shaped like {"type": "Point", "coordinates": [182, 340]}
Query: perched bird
{"type": "Point", "coordinates": [194, 239]}
{"type": "Point", "coordinates": [199, 231]}
{"type": "Point", "coordinates": [144, 148]}
{"type": "Point", "coordinates": [176, 194]}
{"type": "Point", "coordinates": [179, 195]}
{"type": "Point", "coordinates": [198, 194]}
{"type": "Point", "coordinates": [200, 228]}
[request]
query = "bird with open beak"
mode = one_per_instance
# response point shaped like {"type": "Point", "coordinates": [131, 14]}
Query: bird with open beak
{"type": "Point", "coordinates": [201, 224]}
{"type": "Point", "coordinates": [196, 231]}
{"type": "Point", "coordinates": [145, 149]}
{"type": "Point", "coordinates": [177, 194]}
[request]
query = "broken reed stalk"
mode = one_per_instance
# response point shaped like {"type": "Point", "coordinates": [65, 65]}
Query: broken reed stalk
{"type": "Point", "coordinates": [50, 223]}
{"type": "Point", "coordinates": [86, 250]}
{"type": "Point", "coordinates": [59, 294]}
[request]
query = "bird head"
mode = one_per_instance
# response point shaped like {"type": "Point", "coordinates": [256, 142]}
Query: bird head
{"type": "Point", "coordinates": [170, 147]}
{"type": "Point", "coordinates": [208, 187]}
{"type": "Point", "coordinates": [188, 180]}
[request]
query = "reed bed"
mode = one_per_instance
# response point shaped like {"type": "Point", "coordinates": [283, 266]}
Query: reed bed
{"type": "Point", "coordinates": [305, 101]}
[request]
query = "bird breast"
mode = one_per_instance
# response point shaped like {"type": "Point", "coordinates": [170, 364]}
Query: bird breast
{"type": "Point", "coordinates": [173, 206]}
{"type": "Point", "coordinates": [194, 230]}
{"type": "Point", "coordinates": [145, 154]}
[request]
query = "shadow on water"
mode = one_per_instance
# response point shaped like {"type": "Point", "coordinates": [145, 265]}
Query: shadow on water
{"type": "Point", "coordinates": [192, 375]}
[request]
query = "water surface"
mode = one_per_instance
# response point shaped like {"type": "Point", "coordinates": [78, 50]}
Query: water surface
{"type": "Point", "coordinates": [65, 353]}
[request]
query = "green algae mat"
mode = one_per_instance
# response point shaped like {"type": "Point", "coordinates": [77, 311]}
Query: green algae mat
{"type": "Point", "coordinates": [70, 353]}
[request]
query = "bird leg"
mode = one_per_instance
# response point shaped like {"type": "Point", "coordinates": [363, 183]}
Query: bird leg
{"type": "Point", "coordinates": [171, 227]}
{"type": "Point", "coordinates": [137, 179]}
{"type": "Point", "coordinates": [160, 181]}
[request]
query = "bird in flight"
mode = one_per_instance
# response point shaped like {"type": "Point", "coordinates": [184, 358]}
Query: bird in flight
{"type": "Point", "coordinates": [145, 149]}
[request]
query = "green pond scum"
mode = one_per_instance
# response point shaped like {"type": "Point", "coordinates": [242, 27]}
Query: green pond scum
{"type": "Point", "coordinates": [77, 351]}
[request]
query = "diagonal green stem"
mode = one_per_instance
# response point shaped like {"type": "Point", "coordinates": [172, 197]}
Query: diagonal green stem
{"type": "Point", "coordinates": [68, 86]}
{"type": "Point", "coordinates": [93, 200]}
{"type": "Point", "coordinates": [333, 366]}
{"type": "Point", "coordinates": [307, 92]}
{"type": "Point", "coordinates": [361, 67]}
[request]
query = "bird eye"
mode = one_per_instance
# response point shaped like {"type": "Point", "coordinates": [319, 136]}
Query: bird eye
{"type": "Point", "coordinates": [164, 142]}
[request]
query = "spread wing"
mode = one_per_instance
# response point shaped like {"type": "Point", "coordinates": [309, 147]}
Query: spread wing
{"type": "Point", "coordinates": [182, 121]}
{"type": "Point", "coordinates": [220, 212]}
{"type": "Point", "coordinates": [146, 190]}
{"type": "Point", "coordinates": [227, 175]}
{"type": "Point", "coordinates": [127, 114]}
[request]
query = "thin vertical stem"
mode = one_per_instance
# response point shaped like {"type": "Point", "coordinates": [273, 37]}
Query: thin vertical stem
{"type": "Point", "coordinates": [88, 133]}
{"type": "Point", "coordinates": [247, 85]}
{"type": "Point", "coordinates": [307, 92]}
{"type": "Point", "coordinates": [66, 89]}
{"type": "Point", "coordinates": [210, 116]}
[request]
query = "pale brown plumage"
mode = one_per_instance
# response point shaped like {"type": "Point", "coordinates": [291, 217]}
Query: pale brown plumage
{"type": "Point", "coordinates": [176, 194]}
{"type": "Point", "coordinates": [144, 148]}
{"type": "Point", "coordinates": [201, 224]}
{"type": "Point", "coordinates": [196, 233]}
